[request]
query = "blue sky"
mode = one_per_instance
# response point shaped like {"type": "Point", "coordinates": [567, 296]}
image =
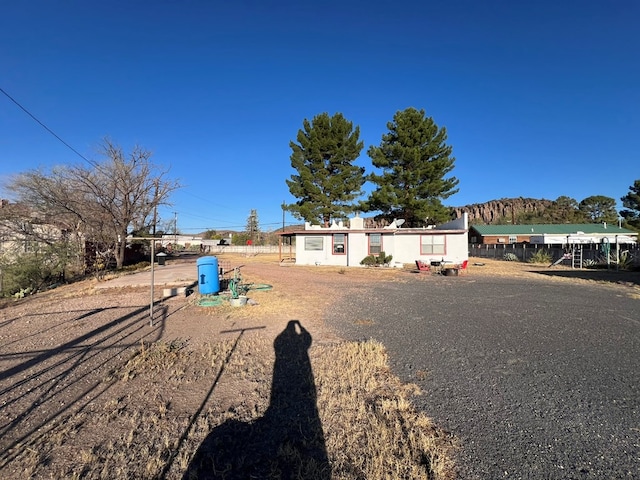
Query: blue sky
{"type": "Point", "coordinates": [540, 99]}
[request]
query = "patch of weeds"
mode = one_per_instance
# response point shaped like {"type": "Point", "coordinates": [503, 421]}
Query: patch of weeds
{"type": "Point", "coordinates": [625, 261]}
{"type": "Point", "coordinates": [541, 256]}
{"type": "Point", "coordinates": [159, 356]}
{"type": "Point", "coordinates": [135, 267]}
{"type": "Point", "coordinates": [387, 437]}
{"type": "Point", "coordinates": [252, 360]}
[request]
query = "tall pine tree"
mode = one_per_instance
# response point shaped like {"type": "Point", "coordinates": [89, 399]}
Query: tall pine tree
{"type": "Point", "coordinates": [631, 204]}
{"type": "Point", "coordinates": [327, 182]}
{"type": "Point", "coordinates": [599, 209]}
{"type": "Point", "coordinates": [414, 160]}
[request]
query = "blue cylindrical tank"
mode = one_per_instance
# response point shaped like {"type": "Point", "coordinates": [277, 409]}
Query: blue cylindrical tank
{"type": "Point", "coordinates": [208, 279]}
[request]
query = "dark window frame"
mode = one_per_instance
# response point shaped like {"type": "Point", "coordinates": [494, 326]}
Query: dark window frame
{"type": "Point", "coordinates": [335, 245]}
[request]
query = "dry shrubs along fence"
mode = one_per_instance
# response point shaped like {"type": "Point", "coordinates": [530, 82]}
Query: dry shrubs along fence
{"type": "Point", "coordinates": [591, 253]}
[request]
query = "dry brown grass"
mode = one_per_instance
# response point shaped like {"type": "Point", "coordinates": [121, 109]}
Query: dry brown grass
{"type": "Point", "coordinates": [155, 409]}
{"type": "Point", "coordinates": [371, 429]}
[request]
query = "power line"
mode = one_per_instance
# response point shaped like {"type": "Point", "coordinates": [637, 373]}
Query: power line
{"type": "Point", "coordinates": [47, 128]}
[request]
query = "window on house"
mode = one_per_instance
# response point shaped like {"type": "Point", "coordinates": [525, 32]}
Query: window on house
{"type": "Point", "coordinates": [313, 243]}
{"type": "Point", "coordinates": [432, 244]}
{"type": "Point", "coordinates": [375, 243]}
{"type": "Point", "coordinates": [339, 243]}
{"type": "Point", "coordinates": [513, 239]}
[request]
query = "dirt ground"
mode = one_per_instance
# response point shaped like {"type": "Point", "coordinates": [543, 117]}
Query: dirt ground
{"type": "Point", "coordinates": [61, 351]}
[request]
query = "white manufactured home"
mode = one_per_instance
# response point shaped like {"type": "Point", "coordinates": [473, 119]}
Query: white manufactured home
{"type": "Point", "coordinates": [346, 246]}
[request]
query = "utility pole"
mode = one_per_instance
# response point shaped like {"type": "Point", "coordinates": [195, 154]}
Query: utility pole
{"type": "Point", "coordinates": [175, 229]}
{"type": "Point", "coordinates": [282, 237]}
{"type": "Point", "coordinates": [283, 210]}
{"type": "Point", "coordinates": [153, 251]}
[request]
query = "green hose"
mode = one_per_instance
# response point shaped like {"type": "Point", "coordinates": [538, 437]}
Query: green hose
{"type": "Point", "coordinates": [233, 287]}
{"type": "Point", "coordinates": [212, 301]}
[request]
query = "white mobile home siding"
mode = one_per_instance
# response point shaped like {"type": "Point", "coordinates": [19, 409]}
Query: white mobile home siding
{"type": "Point", "coordinates": [403, 244]}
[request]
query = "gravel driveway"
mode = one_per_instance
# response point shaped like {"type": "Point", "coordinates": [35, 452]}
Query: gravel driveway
{"type": "Point", "coordinates": [537, 378]}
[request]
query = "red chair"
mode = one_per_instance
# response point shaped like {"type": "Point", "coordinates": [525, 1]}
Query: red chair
{"type": "Point", "coordinates": [422, 267]}
{"type": "Point", "coordinates": [462, 268]}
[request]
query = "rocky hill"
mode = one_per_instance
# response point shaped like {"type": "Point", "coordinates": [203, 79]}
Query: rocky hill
{"type": "Point", "coordinates": [500, 211]}
{"type": "Point", "coordinates": [491, 212]}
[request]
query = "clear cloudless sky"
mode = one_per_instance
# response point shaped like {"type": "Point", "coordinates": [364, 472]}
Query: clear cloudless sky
{"type": "Point", "coordinates": [540, 98]}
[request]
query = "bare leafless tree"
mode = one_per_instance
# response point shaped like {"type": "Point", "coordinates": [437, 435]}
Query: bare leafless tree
{"type": "Point", "coordinates": [102, 201]}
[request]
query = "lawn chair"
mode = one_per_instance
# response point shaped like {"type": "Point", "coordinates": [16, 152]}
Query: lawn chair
{"type": "Point", "coordinates": [422, 267]}
{"type": "Point", "coordinates": [462, 268]}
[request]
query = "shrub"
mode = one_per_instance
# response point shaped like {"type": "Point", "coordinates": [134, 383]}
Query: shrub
{"type": "Point", "coordinates": [369, 261]}
{"type": "Point", "coordinates": [135, 267]}
{"type": "Point", "coordinates": [28, 272]}
{"type": "Point", "coordinates": [625, 261]}
{"type": "Point", "coordinates": [510, 257]}
{"type": "Point", "coordinates": [376, 260]}
{"type": "Point", "coordinates": [384, 259]}
{"type": "Point", "coordinates": [541, 256]}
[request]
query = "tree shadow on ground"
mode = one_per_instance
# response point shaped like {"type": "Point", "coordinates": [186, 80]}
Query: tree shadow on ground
{"type": "Point", "coordinates": [624, 277]}
{"type": "Point", "coordinates": [288, 441]}
{"type": "Point", "coordinates": [42, 386]}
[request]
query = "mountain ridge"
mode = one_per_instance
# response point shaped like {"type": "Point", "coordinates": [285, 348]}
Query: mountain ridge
{"type": "Point", "coordinates": [501, 210]}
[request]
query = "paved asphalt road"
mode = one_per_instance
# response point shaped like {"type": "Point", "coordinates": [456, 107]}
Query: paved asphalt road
{"type": "Point", "coordinates": [537, 379]}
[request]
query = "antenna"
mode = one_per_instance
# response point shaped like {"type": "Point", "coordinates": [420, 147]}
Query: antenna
{"type": "Point", "coordinates": [399, 222]}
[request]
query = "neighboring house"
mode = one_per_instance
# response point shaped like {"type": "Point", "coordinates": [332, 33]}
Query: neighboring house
{"type": "Point", "coordinates": [24, 231]}
{"type": "Point", "coordinates": [186, 241]}
{"type": "Point", "coordinates": [550, 234]}
{"type": "Point", "coordinates": [347, 245]}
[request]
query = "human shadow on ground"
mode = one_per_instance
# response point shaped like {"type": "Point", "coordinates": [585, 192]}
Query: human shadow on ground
{"type": "Point", "coordinates": [288, 441]}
